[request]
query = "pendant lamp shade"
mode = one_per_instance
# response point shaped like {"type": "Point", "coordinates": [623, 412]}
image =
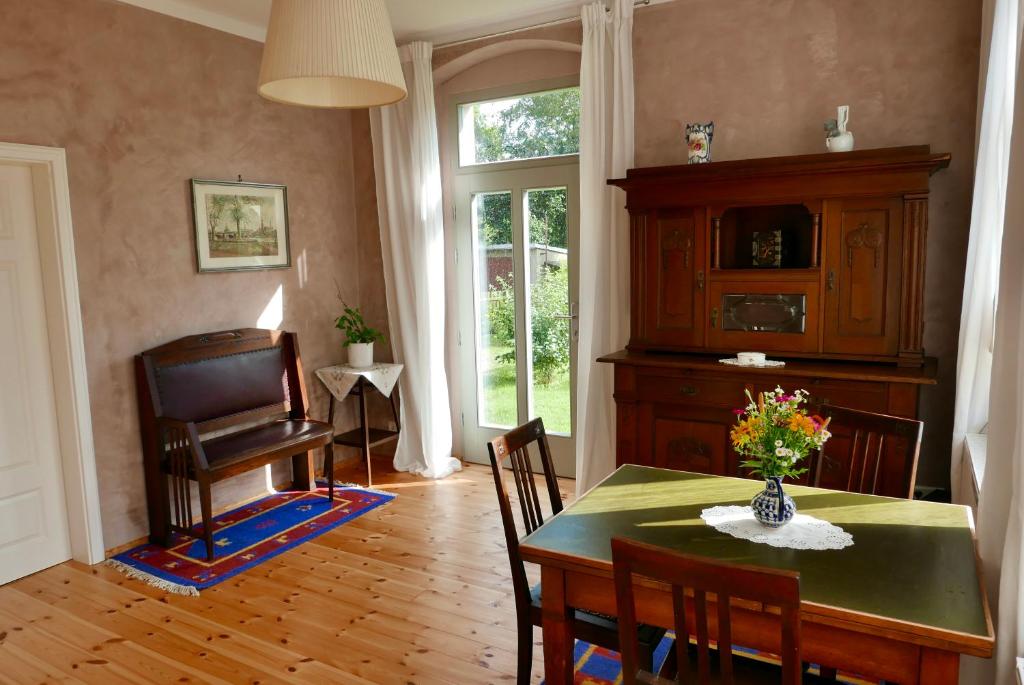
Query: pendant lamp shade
{"type": "Point", "coordinates": [331, 53]}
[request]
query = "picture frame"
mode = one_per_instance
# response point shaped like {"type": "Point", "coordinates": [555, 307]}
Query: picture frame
{"type": "Point", "coordinates": [240, 226]}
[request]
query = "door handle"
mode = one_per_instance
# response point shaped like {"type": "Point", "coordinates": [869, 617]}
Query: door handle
{"type": "Point", "coordinates": [830, 283]}
{"type": "Point", "coordinates": [700, 279]}
{"type": "Point", "coordinates": [714, 316]}
{"type": "Point", "coordinates": [573, 315]}
{"type": "Point", "coordinates": [688, 390]}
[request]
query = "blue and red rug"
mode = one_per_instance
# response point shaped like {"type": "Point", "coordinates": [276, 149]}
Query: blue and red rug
{"type": "Point", "coordinates": [599, 666]}
{"type": "Point", "coordinates": [247, 536]}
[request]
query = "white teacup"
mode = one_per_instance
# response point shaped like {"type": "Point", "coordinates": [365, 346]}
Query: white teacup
{"type": "Point", "coordinates": [751, 358]}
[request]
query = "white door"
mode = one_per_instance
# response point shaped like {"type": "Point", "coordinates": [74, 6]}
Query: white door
{"type": "Point", "coordinates": [33, 518]}
{"type": "Point", "coordinates": [517, 235]}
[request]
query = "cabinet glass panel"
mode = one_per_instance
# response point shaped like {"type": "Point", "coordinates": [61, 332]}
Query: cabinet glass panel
{"type": "Point", "coordinates": [757, 313]}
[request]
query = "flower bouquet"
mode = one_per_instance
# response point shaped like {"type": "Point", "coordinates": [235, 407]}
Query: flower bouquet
{"type": "Point", "coordinates": [774, 434]}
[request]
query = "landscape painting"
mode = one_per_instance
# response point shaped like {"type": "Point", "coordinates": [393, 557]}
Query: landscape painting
{"type": "Point", "coordinates": [240, 225]}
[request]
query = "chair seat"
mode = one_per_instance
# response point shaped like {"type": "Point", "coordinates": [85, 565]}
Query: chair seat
{"type": "Point", "coordinates": [599, 629]}
{"type": "Point", "coordinates": [229, 450]}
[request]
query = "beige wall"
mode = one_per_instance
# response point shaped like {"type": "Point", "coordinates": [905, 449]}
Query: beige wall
{"type": "Point", "coordinates": [770, 73]}
{"type": "Point", "coordinates": [142, 103]}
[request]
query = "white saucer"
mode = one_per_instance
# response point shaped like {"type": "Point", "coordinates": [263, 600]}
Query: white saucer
{"type": "Point", "coordinates": [766, 364]}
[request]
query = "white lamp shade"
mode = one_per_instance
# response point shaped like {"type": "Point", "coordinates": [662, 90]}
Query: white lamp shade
{"type": "Point", "coordinates": [331, 53]}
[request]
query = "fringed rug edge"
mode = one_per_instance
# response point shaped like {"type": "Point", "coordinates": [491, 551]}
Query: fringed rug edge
{"type": "Point", "coordinates": [150, 579]}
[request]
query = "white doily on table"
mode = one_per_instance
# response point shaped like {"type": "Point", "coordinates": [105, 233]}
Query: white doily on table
{"type": "Point", "coordinates": [340, 379]}
{"type": "Point", "coordinates": [766, 364]}
{"type": "Point", "coordinates": [803, 532]}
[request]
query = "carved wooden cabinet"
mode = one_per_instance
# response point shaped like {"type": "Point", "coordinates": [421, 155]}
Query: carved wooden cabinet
{"type": "Point", "coordinates": [818, 259]}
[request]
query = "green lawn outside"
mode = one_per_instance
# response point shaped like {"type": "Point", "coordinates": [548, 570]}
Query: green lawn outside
{"type": "Point", "coordinates": [551, 402]}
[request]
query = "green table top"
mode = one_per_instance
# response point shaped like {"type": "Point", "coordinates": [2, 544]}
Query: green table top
{"type": "Point", "coordinates": [911, 561]}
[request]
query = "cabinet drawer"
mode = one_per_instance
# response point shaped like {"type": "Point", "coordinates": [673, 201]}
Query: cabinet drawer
{"type": "Point", "coordinates": [704, 390]}
{"type": "Point", "coordinates": [861, 395]}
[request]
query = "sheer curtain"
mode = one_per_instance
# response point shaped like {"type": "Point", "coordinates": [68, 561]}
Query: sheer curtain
{"type": "Point", "coordinates": [1001, 503]}
{"type": "Point", "coordinates": [606, 151]}
{"type": "Point", "coordinates": [974, 358]}
{"type": "Point", "coordinates": [408, 173]}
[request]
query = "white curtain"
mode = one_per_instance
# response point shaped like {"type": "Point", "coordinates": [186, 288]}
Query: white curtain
{"type": "Point", "coordinates": [606, 151]}
{"type": "Point", "coordinates": [1001, 502]}
{"type": "Point", "coordinates": [974, 359]}
{"type": "Point", "coordinates": [408, 174]}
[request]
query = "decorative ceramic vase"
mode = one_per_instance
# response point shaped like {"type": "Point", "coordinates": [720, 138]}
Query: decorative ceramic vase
{"type": "Point", "coordinates": [360, 355]}
{"type": "Point", "coordinates": [698, 142]}
{"type": "Point", "coordinates": [772, 507]}
{"type": "Point", "coordinates": [842, 141]}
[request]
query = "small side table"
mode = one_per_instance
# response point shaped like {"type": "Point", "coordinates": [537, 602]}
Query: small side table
{"type": "Point", "coordinates": [344, 381]}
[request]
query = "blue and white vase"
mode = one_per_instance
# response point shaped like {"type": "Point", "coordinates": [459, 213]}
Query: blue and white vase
{"type": "Point", "coordinates": [773, 507]}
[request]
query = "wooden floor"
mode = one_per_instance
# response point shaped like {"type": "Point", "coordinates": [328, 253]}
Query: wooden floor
{"type": "Point", "coordinates": [416, 591]}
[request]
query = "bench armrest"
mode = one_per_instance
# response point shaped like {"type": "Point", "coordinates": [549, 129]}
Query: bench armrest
{"type": "Point", "coordinates": [177, 437]}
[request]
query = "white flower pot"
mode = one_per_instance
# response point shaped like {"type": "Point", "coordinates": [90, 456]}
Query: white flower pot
{"type": "Point", "coordinates": [360, 355]}
{"type": "Point", "coordinates": [841, 143]}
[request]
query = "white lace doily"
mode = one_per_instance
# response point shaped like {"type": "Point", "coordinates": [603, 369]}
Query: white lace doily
{"type": "Point", "coordinates": [340, 379]}
{"type": "Point", "coordinates": [803, 532]}
{"type": "Point", "coordinates": [766, 364]}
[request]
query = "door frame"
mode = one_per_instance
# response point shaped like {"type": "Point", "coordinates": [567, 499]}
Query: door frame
{"type": "Point", "coordinates": [67, 343]}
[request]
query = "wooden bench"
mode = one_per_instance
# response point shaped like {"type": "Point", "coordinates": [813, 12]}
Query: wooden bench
{"type": "Point", "coordinates": [216, 405]}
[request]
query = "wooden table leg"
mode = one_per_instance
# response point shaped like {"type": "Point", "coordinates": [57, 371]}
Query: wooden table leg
{"type": "Point", "coordinates": [939, 667]}
{"type": "Point", "coordinates": [364, 424]}
{"type": "Point", "coordinates": [558, 639]}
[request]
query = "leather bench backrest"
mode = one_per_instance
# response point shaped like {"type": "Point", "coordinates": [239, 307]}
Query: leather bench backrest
{"type": "Point", "coordinates": [222, 379]}
{"type": "Point", "coordinates": [222, 386]}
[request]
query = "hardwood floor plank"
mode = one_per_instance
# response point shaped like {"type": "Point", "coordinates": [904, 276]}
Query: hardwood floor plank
{"type": "Point", "coordinates": [415, 592]}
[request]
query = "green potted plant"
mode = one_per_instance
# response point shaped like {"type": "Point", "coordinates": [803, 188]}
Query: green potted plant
{"type": "Point", "coordinates": [359, 337]}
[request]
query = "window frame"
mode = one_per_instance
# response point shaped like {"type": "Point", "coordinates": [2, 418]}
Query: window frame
{"type": "Point", "coordinates": [501, 93]}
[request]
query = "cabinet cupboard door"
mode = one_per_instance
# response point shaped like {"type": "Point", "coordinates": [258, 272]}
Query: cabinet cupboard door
{"type": "Point", "coordinates": [691, 445]}
{"type": "Point", "coordinates": [862, 281]}
{"type": "Point", "coordinates": [673, 309]}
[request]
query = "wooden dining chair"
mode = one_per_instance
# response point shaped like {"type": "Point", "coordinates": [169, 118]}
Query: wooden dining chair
{"type": "Point", "coordinates": [514, 447]}
{"type": "Point", "coordinates": [874, 454]}
{"type": "Point", "coordinates": [771, 587]}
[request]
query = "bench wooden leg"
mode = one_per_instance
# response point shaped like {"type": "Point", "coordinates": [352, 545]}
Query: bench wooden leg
{"type": "Point", "coordinates": [329, 469]}
{"type": "Point", "coordinates": [303, 472]}
{"type": "Point", "coordinates": [206, 504]}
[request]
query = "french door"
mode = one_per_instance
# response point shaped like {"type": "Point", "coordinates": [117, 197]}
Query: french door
{"type": "Point", "coordinates": [517, 237]}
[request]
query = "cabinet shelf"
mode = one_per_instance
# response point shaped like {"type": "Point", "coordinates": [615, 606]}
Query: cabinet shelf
{"type": "Point", "coordinates": [759, 275]}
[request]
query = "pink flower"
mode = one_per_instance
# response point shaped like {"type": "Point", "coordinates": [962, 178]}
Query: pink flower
{"type": "Point", "coordinates": [737, 412]}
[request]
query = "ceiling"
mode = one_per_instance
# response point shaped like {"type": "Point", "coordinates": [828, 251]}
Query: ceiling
{"type": "Point", "coordinates": [439, 21]}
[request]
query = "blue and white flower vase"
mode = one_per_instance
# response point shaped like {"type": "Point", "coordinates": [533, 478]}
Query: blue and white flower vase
{"type": "Point", "coordinates": [773, 507]}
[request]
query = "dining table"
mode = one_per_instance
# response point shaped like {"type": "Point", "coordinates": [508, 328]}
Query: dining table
{"type": "Point", "coordinates": [901, 604]}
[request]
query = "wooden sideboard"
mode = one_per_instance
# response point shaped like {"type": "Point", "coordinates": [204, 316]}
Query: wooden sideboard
{"type": "Point", "coordinates": [816, 259]}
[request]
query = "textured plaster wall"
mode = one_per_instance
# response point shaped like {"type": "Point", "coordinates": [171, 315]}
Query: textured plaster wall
{"type": "Point", "coordinates": [142, 103]}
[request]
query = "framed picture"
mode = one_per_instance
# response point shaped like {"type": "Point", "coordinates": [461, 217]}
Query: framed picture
{"type": "Point", "coordinates": [240, 226]}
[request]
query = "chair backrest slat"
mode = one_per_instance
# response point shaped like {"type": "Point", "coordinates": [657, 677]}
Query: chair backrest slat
{"type": "Point", "coordinates": [880, 457]}
{"type": "Point", "coordinates": [682, 631]}
{"type": "Point", "coordinates": [771, 587]}
{"type": "Point", "coordinates": [513, 447]}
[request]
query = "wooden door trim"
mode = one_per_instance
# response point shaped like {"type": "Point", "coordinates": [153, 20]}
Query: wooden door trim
{"type": "Point", "coordinates": [67, 343]}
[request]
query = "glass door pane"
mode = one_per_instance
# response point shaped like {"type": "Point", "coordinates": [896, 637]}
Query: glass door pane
{"type": "Point", "coordinates": [517, 235]}
{"type": "Point", "coordinates": [494, 271]}
{"type": "Point", "coordinates": [551, 316]}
